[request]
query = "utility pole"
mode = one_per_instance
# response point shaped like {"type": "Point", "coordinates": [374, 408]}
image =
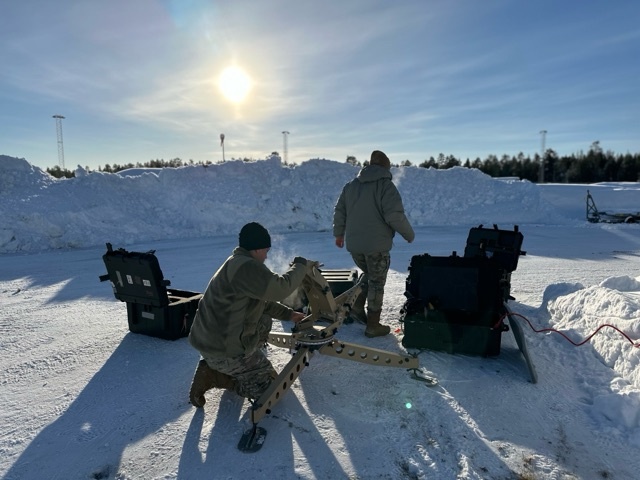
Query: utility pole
{"type": "Point", "coordinates": [541, 173]}
{"type": "Point", "coordinates": [285, 146]}
{"type": "Point", "coordinates": [60, 143]}
{"type": "Point", "coordinates": [222, 145]}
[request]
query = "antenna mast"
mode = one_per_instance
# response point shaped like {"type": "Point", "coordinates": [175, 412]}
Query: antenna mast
{"type": "Point", "coordinates": [285, 146]}
{"type": "Point", "coordinates": [541, 173]}
{"type": "Point", "coordinates": [60, 144]}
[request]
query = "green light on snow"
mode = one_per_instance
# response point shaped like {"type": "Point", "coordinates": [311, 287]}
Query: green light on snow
{"type": "Point", "coordinates": [407, 405]}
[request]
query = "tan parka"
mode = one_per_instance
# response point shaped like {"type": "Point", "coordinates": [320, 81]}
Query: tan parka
{"type": "Point", "coordinates": [369, 212]}
{"type": "Point", "coordinates": [238, 294]}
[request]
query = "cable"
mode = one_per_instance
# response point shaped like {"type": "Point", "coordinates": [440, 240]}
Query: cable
{"type": "Point", "coordinates": [637, 345]}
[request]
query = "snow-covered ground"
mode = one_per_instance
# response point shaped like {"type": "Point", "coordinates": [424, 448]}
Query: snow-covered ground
{"type": "Point", "coordinates": [83, 398]}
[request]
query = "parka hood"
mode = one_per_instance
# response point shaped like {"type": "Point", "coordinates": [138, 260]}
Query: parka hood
{"type": "Point", "coordinates": [373, 173]}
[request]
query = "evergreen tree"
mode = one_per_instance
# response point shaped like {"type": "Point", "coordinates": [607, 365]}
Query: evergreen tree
{"type": "Point", "coordinates": [351, 160]}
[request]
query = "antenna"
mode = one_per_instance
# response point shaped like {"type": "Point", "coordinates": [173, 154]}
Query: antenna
{"type": "Point", "coordinates": [541, 173]}
{"type": "Point", "coordinates": [285, 146]}
{"type": "Point", "coordinates": [60, 144]}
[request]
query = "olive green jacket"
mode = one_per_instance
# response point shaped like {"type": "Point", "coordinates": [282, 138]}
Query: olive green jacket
{"type": "Point", "coordinates": [369, 212]}
{"type": "Point", "coordinates": [238, 294]}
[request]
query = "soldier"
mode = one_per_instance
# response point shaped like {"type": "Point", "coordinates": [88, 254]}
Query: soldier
{"type": "Point", "coordinates": [234, 318]}
{"type": "Point", "coordinates": [368, 213]}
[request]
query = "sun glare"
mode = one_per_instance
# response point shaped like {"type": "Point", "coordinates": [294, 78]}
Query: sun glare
{"type": "Point", "coordinates": [234, 84]}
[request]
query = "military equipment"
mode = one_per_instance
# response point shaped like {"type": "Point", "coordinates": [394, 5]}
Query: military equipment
{"type": "Point", "coordinates": [595, 216]}
{"type": "Point", "coordinates": [307, 338]}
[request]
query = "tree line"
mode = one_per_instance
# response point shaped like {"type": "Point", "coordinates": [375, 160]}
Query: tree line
{"type": "Point", "coordinates": [108, 168]}
{"type": "Point", "coordinates": [58, 172]}
{"type": "Point", "coordinates": [594, 166]}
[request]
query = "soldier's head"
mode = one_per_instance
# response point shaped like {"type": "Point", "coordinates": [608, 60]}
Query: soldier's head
{"type": "Point", "coordinates": [256, 239]}
{"type": "Point", "coordinates": [379, 158]}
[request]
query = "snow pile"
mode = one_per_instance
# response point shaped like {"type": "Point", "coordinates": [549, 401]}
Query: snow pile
{"type": "Point", "coordinates": [194, 201]}
{"type": "Point", "coordinates": [616, 302]}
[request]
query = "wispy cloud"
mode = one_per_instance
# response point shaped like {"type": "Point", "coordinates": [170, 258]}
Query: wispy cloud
{"type": "Point", "coordinates": [415, 77]}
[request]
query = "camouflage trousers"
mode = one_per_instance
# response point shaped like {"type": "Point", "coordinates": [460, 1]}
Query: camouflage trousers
{"type": "Point", "coordinates": [253, 372]}
{"type": "Point", "coordinates": [375, 268]}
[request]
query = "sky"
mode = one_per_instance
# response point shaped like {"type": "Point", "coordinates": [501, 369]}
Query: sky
{"type": "Point", "coordinates": [83, 397]}
{"type": "Point", "coordinates": [138, 81]}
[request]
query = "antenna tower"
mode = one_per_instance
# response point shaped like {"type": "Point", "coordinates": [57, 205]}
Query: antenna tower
{"type": "Point", "coordinates": [541, 173]}
{"type": "Point", "coordinates": [60, 144]}
{"type": "Point", "coordinates": [285, 146]}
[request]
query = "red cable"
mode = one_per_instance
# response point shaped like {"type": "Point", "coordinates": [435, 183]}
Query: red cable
{"type": "Point", "coordinates": [637, 345]}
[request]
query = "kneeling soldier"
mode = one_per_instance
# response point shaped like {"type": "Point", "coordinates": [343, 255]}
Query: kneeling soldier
{"type": "Point", "coordinates": [234, 318]}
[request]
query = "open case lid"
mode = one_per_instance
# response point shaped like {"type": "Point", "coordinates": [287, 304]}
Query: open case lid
{"type": "Point", "coordinates": [454, 283]}
{"type": "Point", "coordinates": [503, 246]}
{"type": "Point", "coordinates": [136, 277]}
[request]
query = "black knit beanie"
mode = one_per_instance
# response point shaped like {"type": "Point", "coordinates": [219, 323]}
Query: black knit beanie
{"type": "Point", "coordinates": [379, 158]}
{"type": "Point", "coordinates": [254, 236]}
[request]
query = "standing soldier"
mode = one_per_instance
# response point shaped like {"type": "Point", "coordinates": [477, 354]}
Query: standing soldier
{"type": "Point", "coordinates": [368, 213]}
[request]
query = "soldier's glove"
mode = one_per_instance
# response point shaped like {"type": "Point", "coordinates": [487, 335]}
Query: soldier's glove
{"type": "Point", "coordinates": [310, 264]}
{"type": "Point", "coordinates": [301, 260]}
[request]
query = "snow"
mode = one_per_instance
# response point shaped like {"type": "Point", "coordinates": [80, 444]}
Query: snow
{"type": "Point", "coordinates": [83, 398]}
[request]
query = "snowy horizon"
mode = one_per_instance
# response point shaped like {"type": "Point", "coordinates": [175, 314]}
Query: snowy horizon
{"type": "Point", "coordinates": [41, 212]}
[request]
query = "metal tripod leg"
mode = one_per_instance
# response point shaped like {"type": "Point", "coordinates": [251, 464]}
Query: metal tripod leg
{"type": "Point", "coordinates": [280, 385]}
{"type": "Point", "coordinates": [368, 355]}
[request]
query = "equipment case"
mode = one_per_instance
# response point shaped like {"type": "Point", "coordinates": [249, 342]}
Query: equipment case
{"type": "Point", "coordinates": [440, 331]}
{"type": "Point", "coordinates": [152, 308]}
{"type": "Point", "coordinates": [502, 246]}
{"type": "Point", "coordinates": [454, 283]}
{"type": "Point", "coordinates": [456, 304]}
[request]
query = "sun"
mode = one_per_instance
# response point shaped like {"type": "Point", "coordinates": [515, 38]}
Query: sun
{"type": "Point", "coordinates": [234, 84]}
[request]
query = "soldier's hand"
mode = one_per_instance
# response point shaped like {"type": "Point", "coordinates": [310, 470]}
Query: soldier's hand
{"type": "Point", "coordinates": [297, 316]}
{"type": "Point", "coordinates": [339, 242]}
{"type": "Point", "coordinates": [300, 260]}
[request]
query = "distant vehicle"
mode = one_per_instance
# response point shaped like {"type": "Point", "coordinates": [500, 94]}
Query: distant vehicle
{"type": "Point", "coordinates": [596, 216]}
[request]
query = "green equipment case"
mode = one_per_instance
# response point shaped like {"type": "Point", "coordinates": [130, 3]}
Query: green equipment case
{"type": "Point", "coordinates": [152, 308]}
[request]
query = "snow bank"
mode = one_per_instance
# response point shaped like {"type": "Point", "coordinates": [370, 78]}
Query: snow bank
{"type": "Point", "coordinates": [40, 212]}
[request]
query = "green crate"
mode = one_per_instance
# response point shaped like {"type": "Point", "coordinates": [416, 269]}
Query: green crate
{"type": "Point", "coordinates": [169, 322]}
{"type": "Point", "coordinates": [454, 332]}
